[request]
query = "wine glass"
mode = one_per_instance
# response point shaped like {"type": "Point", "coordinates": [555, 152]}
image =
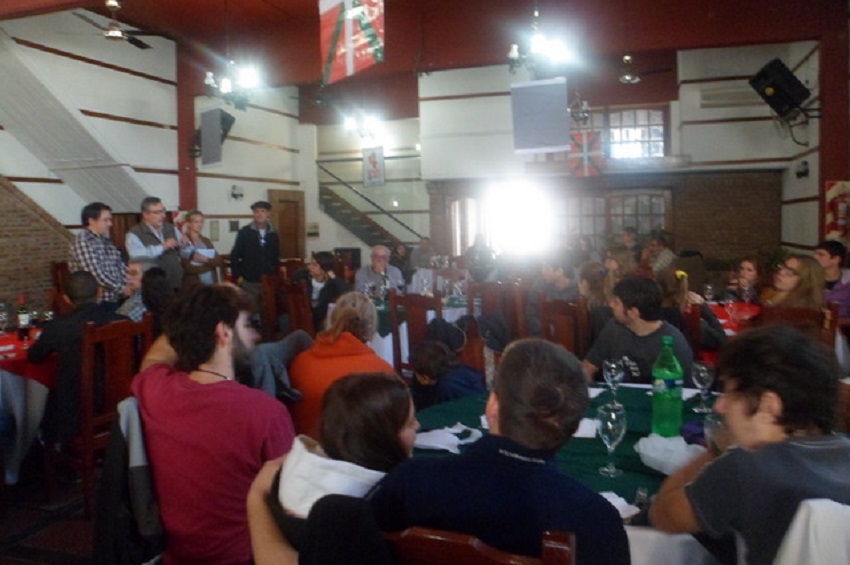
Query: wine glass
{"type": "Point", "coordinates": [4, 319]}
{"type": "Point", "coordinates": [611, 428]}
{"type": "Point", "coordinates": [708, 292]}
{"type": "Point", "coordinates": [712, 424]}
{"type": "Point", "coordinates": [703, 377]}
{"type": "Point", "coordinates": [614, 372]}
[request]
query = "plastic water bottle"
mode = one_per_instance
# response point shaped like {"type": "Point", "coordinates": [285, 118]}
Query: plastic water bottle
{"type": "Point", "coordinates": [666, 391]}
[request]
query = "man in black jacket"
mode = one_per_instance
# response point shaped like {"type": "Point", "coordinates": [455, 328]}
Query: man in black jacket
{"type": "Point", "coordinates": [64, 336]}
{"type": "Point", "coordinates": [256, 251]}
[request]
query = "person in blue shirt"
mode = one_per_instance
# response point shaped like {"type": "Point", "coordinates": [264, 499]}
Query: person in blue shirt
{"type": "Point", "coordinates": [440, 376]}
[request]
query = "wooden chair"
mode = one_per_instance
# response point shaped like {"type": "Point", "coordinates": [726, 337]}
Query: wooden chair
{"type": "Point", "coordinates": [693, 329]}
{"type": "Point", "coordinates": [517, 296]}
{"type": "Point", "coordinates": [425, 546]}
{"type": "Point", "coordinates": [566, 323]}
{"type": "Point", "coordinates": [59, 303]}
{"type": "Point", "coordinates": [223, 270]}
{"type": "Point", "coordinates": [110, 356]}
{"type": "Point", "coordinates": [272, 306]}
{"type": "Point", "coordinates": [821, 325]}
{"type": "Point", "coordinates": [472, 353]}
{"type": "Point", "coordinates": [490, 294]}
{"type": "Point", "coordinates": [292, 265]}
{"type": "Point", "coordinates": [413, 310]}
{"type": "Point", "coordinates": [59, 273]}
{"type": "Point", "coordinates": [298, 307]}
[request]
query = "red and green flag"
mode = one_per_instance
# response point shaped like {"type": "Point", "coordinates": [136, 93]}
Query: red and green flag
{"type": "Point", "coordinates": [351, 35]}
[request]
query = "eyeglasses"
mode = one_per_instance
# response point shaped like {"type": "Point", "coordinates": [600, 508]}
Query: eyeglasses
{"type": "Point", "coordinates": [782, 267]}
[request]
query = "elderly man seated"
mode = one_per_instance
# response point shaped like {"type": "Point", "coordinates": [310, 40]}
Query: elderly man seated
{"type": "Point", "coordinates": [778, 449]}
{"type": "Point", "coordinates": [379, 274]}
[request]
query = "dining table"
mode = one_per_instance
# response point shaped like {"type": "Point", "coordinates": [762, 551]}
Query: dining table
{"type": "Point", "coordinates": [582, 457]}
{"type": "Point", "coordinates": [24, 387]}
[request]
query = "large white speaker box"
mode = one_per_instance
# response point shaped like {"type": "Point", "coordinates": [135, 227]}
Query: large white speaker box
{"type": "Point", "coordinates": [541, 116]}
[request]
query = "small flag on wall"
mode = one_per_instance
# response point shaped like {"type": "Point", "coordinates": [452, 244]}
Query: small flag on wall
{"type": "Point", "coordinates": [351, 35]}
{"type": "Point", "coordinates": [586, 155]}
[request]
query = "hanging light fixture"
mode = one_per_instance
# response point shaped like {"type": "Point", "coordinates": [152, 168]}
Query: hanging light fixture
{"type": "Point", "coordinates": [540, 49]}
{"type": "Point", "coordinates": [580, 110]}
{"type": "Point", "coordinates": [628, 75]}
{"type": "Point", "coordinates": [235, 82]}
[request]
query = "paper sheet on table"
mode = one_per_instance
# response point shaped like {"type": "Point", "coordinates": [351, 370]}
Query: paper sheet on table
{"type": "Point", "coordinates": [587, 428]}
{"type": "Point", "coordinates": [447, 438]}
{"type": "Point", "coordinates": [208, 253]}
{"type": "Point", "coordinates": [625, 509]}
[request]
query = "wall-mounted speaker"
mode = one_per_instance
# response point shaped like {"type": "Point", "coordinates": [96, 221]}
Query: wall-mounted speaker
{"type": "Point", "coordinates": [541, 116]}
{"type": "Point", "coordinates": [778, 86]}
{"type": "Point", "coordinates": [206, 143]}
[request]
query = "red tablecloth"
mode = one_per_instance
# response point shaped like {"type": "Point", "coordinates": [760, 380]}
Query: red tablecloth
{"type": "Point", "coordinates": [741, 312]}
{"type": "Point", "coordinates": [13, 358]}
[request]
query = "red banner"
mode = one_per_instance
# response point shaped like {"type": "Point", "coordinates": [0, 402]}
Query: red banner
{"type": "Point", "coordinates": [586, 155]}
{"type": "Point", "coordinates": [352, 36]}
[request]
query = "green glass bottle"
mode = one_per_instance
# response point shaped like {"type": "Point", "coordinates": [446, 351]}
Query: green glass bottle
{"type": "Point", "coordinates": [666, 391]}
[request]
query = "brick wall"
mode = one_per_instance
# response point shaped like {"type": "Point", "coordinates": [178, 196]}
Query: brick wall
{"type": "Point", "coordinates": [728, 215]}
{"type": "Point", "coordinates": [29, 240]}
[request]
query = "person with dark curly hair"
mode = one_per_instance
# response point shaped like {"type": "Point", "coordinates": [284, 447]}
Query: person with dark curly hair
{"type": "Point", "coordinates": [439, 376]}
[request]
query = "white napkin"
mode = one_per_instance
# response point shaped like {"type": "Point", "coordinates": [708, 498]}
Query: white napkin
{"type": "Point", "coordinates": [594, 392]}
{"type": "Point", "coordinates": [666, 454]}
{"type": "Point", "coordinates": [447, 438]}
{"type": "Point", "coordinates": [625, 509]}
{"type": "Point", "coordinates": [587, 428]}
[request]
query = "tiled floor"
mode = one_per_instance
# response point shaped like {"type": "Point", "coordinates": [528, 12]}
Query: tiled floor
{"type": "Point", "coordinates": [33, 531]}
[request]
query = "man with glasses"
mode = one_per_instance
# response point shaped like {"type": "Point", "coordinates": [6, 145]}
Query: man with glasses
{"type": "Point", "coordinates": [155, 239]}
{"type": "Point", "coordinates": [256, 251]}
{"type": "Point", "coordinates": [778, 448]}
{"type": "Point", "coordinates": [379, 273]}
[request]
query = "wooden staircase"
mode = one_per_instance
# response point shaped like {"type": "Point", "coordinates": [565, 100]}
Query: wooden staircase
{"type": "Point", "coordinates": [353, 219]}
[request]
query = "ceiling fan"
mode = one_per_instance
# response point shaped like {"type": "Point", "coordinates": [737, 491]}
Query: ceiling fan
{"type": "Point", "coordinates": [113, 30]}
{"type": "Point", "coordinates": [629, 73]}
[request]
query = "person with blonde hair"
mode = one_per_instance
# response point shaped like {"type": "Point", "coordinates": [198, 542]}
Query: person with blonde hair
{"type": "Point", "coordinates": [675, 298]}
{"type": "Point", "coordinates": [338, 351]}
{"type": "Point", "coordinates": [619, 262]}
{"type": "Point", "coordinates": [198, 252]}
{"type": "Point", "coordinates": [592, 279]}
{"type": "Point", "coordinates": [797, 283]}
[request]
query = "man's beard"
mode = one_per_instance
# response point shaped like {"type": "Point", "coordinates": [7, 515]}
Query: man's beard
{"type": "Point", "coordinates": [242, 361]}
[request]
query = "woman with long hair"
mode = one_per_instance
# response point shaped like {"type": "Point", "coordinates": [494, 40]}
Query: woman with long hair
{"type": "Point", "coordinates": [619, 262]}
{"type": "Point", "coordinates": [675, 298]}
{"type": "Point", "coordinates": [339, 350]}
{"type": "Point", "coordinates": [797, 283]}
{"type": "Point", "coordinates": [592, 279]}
{"type": "Point", "coordinates": [367, 428]}
{"type": "Point", "coordinates": [748, 284]}
{"type": "Point", "coordinates": [323, 285]}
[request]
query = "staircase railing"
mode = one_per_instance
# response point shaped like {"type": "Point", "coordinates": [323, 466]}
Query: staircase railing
{"type": "Point", "coordinates": [369, 200]}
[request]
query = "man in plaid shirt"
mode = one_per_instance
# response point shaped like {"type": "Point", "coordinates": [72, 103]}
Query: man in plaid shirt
{"type": "Point", "coordinates": [93, 251]}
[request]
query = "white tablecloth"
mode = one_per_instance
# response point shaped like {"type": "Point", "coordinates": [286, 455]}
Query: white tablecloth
{"type": "Point", "coordinates": [383, 346]}
{"type": "Point", "coordinates": [649, 546]}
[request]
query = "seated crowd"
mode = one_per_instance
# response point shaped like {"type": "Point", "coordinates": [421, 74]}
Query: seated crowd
{"type": "Point", "coordinates": [328, 469]}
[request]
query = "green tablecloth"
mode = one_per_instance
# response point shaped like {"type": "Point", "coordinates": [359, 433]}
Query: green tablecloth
{"type": "Point", "coordinates": [581, 457]}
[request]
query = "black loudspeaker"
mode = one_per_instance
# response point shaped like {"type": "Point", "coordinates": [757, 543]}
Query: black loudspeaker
{"type": "Point", "coordinates": [778, 86]}
{"type": "Point", "coordinates": [214, 123]}
{"type": "Point", "coordinates": [541, 116]}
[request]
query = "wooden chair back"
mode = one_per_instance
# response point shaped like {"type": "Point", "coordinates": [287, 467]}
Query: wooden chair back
{"type": "Point", "coordinates": [491, 295]}
{"type": "Point", "coordinates": [292, 265]}
{"type": "Point", "coordinates": [566, 323]}
{"type": "Point", "coordinates": [297, 299]}
{"type": "Point", "coordinates": [272, 306]}
{"type": "Point", "coordinates": [426, 546]}
{"type": "Point", "coordinates": [411, 309]}
{"type": "Point", "coordinates": [59, 273]}
{"type": "Point", "coordinates": [223, 269]}
{"type": "Point", "coordinates": [59, 302]}
{"type": "Point", "coordinates": [821, 325]}
{"type": "Point", "coordinates": [472, 353]}
{"type": "Point", "coordinates": [693, 329]}
{"type": "Point", "coordinates": [517, 296]}
{"type": "Point", "coordinates": [110, 358]}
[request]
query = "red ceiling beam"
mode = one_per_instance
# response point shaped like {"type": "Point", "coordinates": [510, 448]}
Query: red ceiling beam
{"type": "Point", "coordinates": [22, 8]}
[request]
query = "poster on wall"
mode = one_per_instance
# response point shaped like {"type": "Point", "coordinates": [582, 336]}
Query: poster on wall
{"type": "Point", "coordinates": [837, 202]}
{"type": "Point", "coordinates": [351, 33]}
{"type": "Point", "coordinates": [373, 166]}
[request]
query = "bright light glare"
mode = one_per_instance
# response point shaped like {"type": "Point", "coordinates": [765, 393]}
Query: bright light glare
{"type": "Point", "coordinates": [521, 218]}
{"type": "Point", "coordinates": [225, 86]}
{"type": "Point", "coordinates": [248, 77]}
{"type": "Point", "coordinates": [558, 52]}
{"type": "Point", "coordinates": [349, 124]}
{"type": "Point", "coordinates": [538, 43]}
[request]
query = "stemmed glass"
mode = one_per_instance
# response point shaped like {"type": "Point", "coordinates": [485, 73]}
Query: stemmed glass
{"type": "Point", "coordinates": [614, 372]}
{"type": "Point", "coordinates": [703, 377]}
{"type": "Point", "coordinates": [611, 428]}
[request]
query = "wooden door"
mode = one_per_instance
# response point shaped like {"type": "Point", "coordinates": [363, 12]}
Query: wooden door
{"type": "Point", "coordinates": [288, 220]}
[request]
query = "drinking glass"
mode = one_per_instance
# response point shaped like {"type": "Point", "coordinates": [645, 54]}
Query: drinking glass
{"type": "Point", "coordinates": [708, 292]}
{"type": "Point", "coordinates": [612, 428]}
{"type": "Point", "coordinates": [703, 377]}
{"type": "Point", "coordinates": [4, 319]}
{"type": "Point", "coordinates": [712, 423]}
{"type": "Point", "coordinates": [614, 372]}
{"type": "Point", "coordinates": [732, 311]}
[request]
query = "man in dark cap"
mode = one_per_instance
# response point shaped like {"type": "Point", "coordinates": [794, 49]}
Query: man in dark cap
{"type": "Point", "coordinates": [256, 251]}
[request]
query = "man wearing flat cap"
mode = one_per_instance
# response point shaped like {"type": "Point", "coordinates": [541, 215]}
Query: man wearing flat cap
{"type": "Point", "coordinates": [256, 251]}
